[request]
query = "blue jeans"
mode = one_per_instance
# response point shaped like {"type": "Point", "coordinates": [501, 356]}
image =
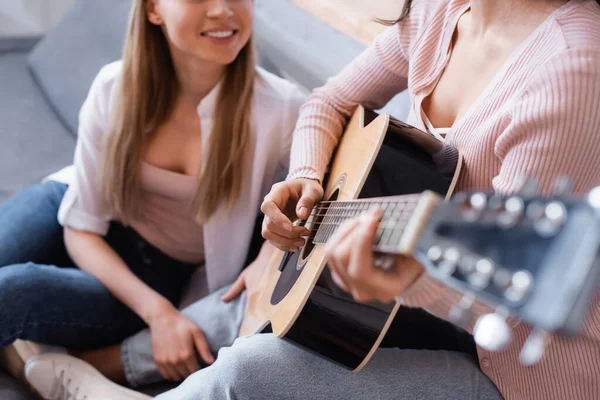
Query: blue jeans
{"type": "Point", "coordinates": [45, 298]}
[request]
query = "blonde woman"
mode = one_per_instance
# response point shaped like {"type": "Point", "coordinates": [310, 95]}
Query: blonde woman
{"type": "Point", "coordinates": [178, 143]}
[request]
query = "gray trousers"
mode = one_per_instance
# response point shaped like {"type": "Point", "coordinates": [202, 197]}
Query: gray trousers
{"type": "Point", "coordinates": [220, 322]}
{"type": "Point", "coordinates": [265, 367]}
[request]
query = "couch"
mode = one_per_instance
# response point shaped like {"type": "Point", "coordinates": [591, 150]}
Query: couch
{"type": "Point", "coordinates": [44, 81]}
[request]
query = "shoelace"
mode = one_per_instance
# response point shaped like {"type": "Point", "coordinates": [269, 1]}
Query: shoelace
{"type": "Point", "coordinates": [67, 392]}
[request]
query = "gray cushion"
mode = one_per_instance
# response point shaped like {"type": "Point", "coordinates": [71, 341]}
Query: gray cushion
{"type": "Point", "coordinates": [11, 389]}
{"type": "Point", "coordinates": [17, 44]}
{"type": "Point", "coordinates": [33, 142]}
{"type": "Point", "coordinates": [299, 47]}
{"type": "Point", "coordinates": [66, 61]}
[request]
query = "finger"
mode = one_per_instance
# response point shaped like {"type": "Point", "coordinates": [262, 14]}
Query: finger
{"type": "Point", "coordinates": [340, 236]}
{"type": "Point", "coordinates": [393, 283]}
{"type": "Point", "coordinates": [361, 259]}
{"type": "Point", "coordinates": [163, 366]}
{"type": "Point", "coordinates": [295, 233]}
{"type": "Point", "coordinates": [343, 251]}
{"type": "Point", "coordinates": [376, 283]}
{"type": "Point", "coordinates": [276, 201]}
{"type": "Point", "coordinates": [338, 281]}
{"type": "Point", "coordinates": [291, 249]}
{"type": "Point", "coordinates": [182, 371]}
{"type": "Point", "coordinates": [338, 268]}
{"type": "Point", "coordinates": [163, 372]}
{"type": "Point", "coordinates": [203, 348]}
{"type": "Point", "coordinates": [172, 373]}
{"type": "Point", "coordinates": [235, 290]}
{"type": "Point", "coordinates": [361, 271]}
{"type": "Point", "coordinates": [338, 255]}
{"type": "Point", "coordinates": [310, 195]}
{"type": "Point", "coordinates": [191, 363]}
{"type": "Point", "coordinates": [281, 242]}
{"type": "Point", "coordinates": [338, 248]}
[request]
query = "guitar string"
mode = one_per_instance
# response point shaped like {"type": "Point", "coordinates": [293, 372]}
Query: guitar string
{"type": "Point", "coordinates": [342, 217]}
{"type": "Point", "coordinates": [331, 211]}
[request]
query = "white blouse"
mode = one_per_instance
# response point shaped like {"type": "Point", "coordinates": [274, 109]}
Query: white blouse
{"type": "Point", "coordinates": [223, 241]}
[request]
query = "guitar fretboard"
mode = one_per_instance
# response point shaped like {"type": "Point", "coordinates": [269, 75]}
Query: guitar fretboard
{"type": "Point", "coordinates": [327, 217]}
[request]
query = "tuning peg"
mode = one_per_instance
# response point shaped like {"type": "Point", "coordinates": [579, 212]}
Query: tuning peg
{"type": "Point", "coordinates": [476, 205]}
{"type": "Point", "coordinates": [533, 349]}
{"type": "Point", "coordinates": [435, 254]}
{"type": "Point", "coordinates": [515, 206]}
{"type": "Point", "coordinates": [535, 210]}
{"type": "Point", "coordinates": [528, 187]}
{"type": "Point", "coordinates": [467, 264]}
{"type": "Point", "coordinates": [495, 203]}
{"type": "Point", "coordinates": [450, 261]}
{"type": "Point", "coordinates": [461, 313]}
{"type": "Point", "coordinates": [502, 279]}
{"type": "Point", "coordinates": [563, 186]}
{"type": "Point", "coordinates": [514, 209]}
{"type": "Point", "coordinates": [459, 198]}
{"type": "Point", "coordinates": [446, 261]}
{"type": "Point", "coordinates": [491, 332]}
{"type": "Point", "coordinates": [520, 286]}
{"type": "Point", "coordinates": [478, 201]}
{"type": "Point", "coordinates": [553, 218]}
{"type": "Point", "coordinates": [484, 270]}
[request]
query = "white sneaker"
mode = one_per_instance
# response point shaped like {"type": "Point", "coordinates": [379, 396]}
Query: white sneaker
{"type": "Point", "coordinates": [62, 377]}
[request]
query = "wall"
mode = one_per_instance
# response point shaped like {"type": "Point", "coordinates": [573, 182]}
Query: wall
{"type": "Point", "coordinates": [22, 18]}
{"type": "Point", "coordinates": [355, 18]}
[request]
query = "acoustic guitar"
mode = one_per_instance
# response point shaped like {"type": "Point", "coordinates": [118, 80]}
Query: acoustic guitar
{"type": "Point", "coordinates": [524, 255]}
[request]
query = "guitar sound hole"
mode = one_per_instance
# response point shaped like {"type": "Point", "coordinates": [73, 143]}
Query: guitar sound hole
{"type": "Point", "coordinates": [314, 226]}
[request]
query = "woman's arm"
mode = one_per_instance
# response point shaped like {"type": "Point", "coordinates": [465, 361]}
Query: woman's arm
{"type": "Point", "coordinates": [372, 79]}
{"type": "Point", "coordinates": [92, 254]}
{"type": "Point", "coordinates": [82, 211]}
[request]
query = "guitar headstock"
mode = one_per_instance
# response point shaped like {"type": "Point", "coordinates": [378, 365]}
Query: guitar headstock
{"type": "Point", "coordinates": [534, 257]}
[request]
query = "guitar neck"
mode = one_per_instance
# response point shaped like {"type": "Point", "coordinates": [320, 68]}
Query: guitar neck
{"type": "Point", "coordinates": [402, 219]}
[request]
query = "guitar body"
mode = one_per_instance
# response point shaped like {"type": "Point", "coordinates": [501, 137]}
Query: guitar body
{"type": "Point", "coordinates": [297, 296]}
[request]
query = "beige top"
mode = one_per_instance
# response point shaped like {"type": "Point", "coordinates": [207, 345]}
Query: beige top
{"type": "Point", "coordinates": [166, 215]}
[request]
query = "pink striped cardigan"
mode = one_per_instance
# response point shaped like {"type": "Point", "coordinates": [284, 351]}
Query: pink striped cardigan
{"type": "Point", "coordinates": [540, 116]}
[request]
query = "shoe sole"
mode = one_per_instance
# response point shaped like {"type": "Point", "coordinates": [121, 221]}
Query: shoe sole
{"type": "Point", "coordinates": [87, 368]}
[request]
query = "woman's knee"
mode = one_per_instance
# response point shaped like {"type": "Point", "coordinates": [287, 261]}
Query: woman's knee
{"type": "Point", "coordinates": [253, 358]}
{"type": "Point", "coordinates": [16, 292]}
{"type": "Point", "coordinates": [26, 286]}
{"type": "Point", "coordinates": [17, 282]}
{"type": "Point", "coordinates": [29, 229]}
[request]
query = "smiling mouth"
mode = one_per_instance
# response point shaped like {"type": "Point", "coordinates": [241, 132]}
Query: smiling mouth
{"type": "Point", "coordinates": [220, 34]}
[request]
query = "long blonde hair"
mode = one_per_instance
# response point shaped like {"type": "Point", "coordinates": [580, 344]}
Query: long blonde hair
{"type": "Point", "coordinates": [144, 100]}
